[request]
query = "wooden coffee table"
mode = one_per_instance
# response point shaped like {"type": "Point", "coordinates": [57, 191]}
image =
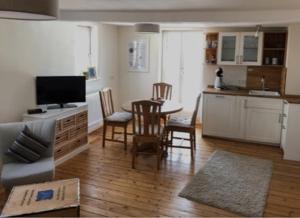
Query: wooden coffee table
{"type": "Point", "coordinates": [65, 200]}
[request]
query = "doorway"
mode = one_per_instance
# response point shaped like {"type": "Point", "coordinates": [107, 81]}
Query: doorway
{"type": "Point", "coordinates": [182, 65]}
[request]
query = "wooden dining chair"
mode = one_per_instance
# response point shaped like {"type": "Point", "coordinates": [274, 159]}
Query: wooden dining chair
{"type": "Point", "coordinates": [112, 118]}
{"type": "Point", "coordinates": [147, 132]}
{"type": "Point", "coordinates": [162, 91]}
{"type": "Point", "coordinates": [183, 124]}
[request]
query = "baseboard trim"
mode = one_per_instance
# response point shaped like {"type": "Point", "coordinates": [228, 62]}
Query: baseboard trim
{"type": "Point", "coordinates": [95, 125]}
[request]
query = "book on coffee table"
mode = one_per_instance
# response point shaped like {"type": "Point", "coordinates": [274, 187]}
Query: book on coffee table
{"type": "Point", "coordinates": [57, 199]}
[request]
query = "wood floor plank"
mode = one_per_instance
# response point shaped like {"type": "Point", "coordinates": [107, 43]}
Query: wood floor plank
{"type": "Point", "coordinates": [109, 187]}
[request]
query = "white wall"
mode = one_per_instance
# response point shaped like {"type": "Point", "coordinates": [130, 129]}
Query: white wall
{"type": "Point", "coordinates": [292, 61]}
{"type": "Point", "coordinates": [108, 67]}
{"type": "Point", "coordinates": [29, 49]}
{"type": "Point", "coordinates": [136, 85]}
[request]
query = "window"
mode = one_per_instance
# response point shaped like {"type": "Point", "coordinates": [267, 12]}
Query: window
{"type": "Point", "coordinates": [85, 54]}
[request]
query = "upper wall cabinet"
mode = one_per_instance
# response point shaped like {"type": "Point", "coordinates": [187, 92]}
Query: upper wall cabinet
{"type": "Point", "coordinates": [240, 48]}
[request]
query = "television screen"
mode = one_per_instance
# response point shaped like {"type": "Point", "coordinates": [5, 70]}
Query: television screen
{"type": "Point", "coordinates": [60, 89]}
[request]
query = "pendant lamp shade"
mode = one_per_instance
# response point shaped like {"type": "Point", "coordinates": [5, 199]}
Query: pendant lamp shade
{"type": "Point", "coordinates": [147, 28]}
{"type": "Point", "coordinates": [29, 9]}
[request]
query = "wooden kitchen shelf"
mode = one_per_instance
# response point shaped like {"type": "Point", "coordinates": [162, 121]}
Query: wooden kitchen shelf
{"type": "Point", "coordinates": [211, 50]}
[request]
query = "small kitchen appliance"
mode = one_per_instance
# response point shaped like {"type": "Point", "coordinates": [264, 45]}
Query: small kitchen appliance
{"type": "Point", "coordinates": [219, 78]}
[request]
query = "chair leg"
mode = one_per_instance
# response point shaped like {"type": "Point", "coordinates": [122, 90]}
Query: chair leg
{"type": "Point", "coordinates": [104, 135]}
{"type": "Point", "coordinates": [192, 146]}
{"type": "Point", "coordinates": [194, 135]}
{"type": "Point", "coordinates": [172, 136]}
{"type": "Point", "coordinates": [113, 133]}
{"type": "Point", "coordinates": [133, 154]}
{"type": "Point", "coordinates": [158, 155]}
{"type": "Point", "coordinates": [125, 138]}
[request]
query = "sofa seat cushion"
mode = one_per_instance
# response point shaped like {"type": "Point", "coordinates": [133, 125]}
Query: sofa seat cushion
{"type": "Point", "coordinates": [19, 173]}
{"type": "Point", "coordinates": [120, 117]}
{"type": "Point", "coordinates": [180, 122]}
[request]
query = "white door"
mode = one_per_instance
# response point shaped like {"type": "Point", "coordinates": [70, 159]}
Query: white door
{"type": "Point", "coordinates": [228, 49]}
{"type": "Point", "coordinates": [219, 116]}
{"type": "Point", "coordinates": [250, 48]}
{"type": "Point", "coordinates": [182, 65]}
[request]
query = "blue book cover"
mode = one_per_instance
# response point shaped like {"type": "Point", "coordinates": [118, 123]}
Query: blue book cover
{"type": "Point", "coordinates": [44, 195]}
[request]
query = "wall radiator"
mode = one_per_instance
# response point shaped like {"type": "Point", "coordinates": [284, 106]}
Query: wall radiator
{"type": "Point", "coordinates": [95, 119]}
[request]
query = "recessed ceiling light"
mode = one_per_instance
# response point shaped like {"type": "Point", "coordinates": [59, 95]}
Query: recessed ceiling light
{"type": "Point", "coordinates": [29, 9]}
{"type": "Point", "coordinates": [147, 28]}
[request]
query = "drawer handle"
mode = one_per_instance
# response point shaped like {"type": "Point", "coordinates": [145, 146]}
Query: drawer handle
{"type": "Point", "coordinates": [220, 96]}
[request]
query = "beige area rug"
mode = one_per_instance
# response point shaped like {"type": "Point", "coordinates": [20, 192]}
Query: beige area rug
{"type": "Point", "coordinates": [233, 182]}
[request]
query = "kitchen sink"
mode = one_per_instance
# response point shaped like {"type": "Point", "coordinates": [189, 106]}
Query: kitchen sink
{"type": "Point", "coordinates": [263, 93]}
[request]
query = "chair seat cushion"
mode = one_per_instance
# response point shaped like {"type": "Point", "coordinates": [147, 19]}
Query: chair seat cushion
{"type": "Point", "coordinates": [120, 117]}
{"type": "Point", "coordinates": [180, 122]}
{"type": "Point", "coordinates": [19, 173]}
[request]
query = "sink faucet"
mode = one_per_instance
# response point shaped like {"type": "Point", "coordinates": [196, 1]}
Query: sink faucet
{"type": "Point", "coordinates": [263, 83]}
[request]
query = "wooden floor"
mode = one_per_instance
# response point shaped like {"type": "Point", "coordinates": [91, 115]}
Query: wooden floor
{"type": "Point", "coordinates": [109, 187]}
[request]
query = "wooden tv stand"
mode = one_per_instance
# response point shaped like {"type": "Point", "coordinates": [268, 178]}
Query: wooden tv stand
{"type": "Point", "coordinates": [71, 130]}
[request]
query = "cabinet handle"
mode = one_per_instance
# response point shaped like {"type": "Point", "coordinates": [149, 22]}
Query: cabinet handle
{"type": "Point", "coordinates": [220, 96]}
{"type": "Point", "coordinates": [237, 59]}
{"type": "Point", "coordinates": [283, 127]}
{"type": "Point", "coordinates": [280, 120]}
{"type": "Point", "coordinates": [246, 103]}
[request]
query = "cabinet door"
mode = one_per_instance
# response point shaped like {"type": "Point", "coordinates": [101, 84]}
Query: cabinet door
{"type": "Point", "coordinates": [284, 126]}
{"type": "Point", "coordinates": [228, 48]}
{"type": "Point", "coordinates": [219, 115]}
{"type": "Point", "coordinates": [250, 49]}
{"type": "Point", "coordinates": [263, 121]}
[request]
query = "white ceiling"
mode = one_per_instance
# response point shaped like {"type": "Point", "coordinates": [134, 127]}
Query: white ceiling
{"type": "Point", "coordinates": [175, 5]}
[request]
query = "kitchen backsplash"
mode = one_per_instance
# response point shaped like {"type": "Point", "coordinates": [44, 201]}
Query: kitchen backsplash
{"type": "Point", "coordinates": [233, 75]}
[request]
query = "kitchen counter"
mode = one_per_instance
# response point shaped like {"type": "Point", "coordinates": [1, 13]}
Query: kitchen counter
{"type": "Point", "coordinates": [289, 99]}
{"type": "Point", "coordinates": [237, 93]}
{"type": "Point", "coordinates": [292, 100]}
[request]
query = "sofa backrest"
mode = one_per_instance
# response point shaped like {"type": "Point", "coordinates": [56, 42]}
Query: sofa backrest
{"type": "Point", "coordinates": [44, 129]}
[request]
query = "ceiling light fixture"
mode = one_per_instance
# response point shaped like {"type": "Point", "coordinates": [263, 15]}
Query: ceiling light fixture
{"type": "Point", "coordinates": [258, 29]}
{"type": "Point", "coordinates": [147, 28]}
{"type": "Point", "coordinates": [29, 9]}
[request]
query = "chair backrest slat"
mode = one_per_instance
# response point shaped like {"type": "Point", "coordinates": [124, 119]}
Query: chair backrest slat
{"type": "Point", "coordinates": [162, 91]}
{"type": "Point", "coordinates": [106, 102]}
{"type": "Point", "coordinates": [146, 118]}
{"type": "Point", "coordinates": [195, 113]}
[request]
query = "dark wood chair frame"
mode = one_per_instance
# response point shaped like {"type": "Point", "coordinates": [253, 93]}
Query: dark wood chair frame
{"type": "Point", "coordinates": [162, 91]}
{"type": "Point", "coordinates": [147, 129]}
{"type": "Point", "coordinates": [191, 130]}
{"type": "Point", "coordinates": [107, 107]}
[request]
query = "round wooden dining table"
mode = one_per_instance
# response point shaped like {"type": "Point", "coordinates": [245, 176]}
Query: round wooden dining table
{"type": "Point", "coordinates": [168, 107]}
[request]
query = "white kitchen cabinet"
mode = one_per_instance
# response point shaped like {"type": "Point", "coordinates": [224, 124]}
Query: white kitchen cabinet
{"type": "Point", "coordinates": [247, 118]}
{"type": "Point", "coordinates": [291, 132]}
{"type": "Point", "coordinates": [228, 49]}
{"type": "Point", "coordinates": [240, 48]}
{"type": "Point", "coordinates": [251, 48]}
{"type": "Point", "coordinates": [220, 116]}
{"type": "Point", "coordinates": [263, 120]}
{"type": "Point", "coordinates": [284, 126]}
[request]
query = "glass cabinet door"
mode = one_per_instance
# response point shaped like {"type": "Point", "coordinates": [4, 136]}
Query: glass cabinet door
{"type": "Point", "coordinates": [228, 46]}
{"type": "Point", "coordinates": [251, 49]}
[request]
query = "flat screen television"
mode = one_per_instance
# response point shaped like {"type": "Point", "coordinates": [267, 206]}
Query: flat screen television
{"type": "Point", "coordinates": [60, 90]}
